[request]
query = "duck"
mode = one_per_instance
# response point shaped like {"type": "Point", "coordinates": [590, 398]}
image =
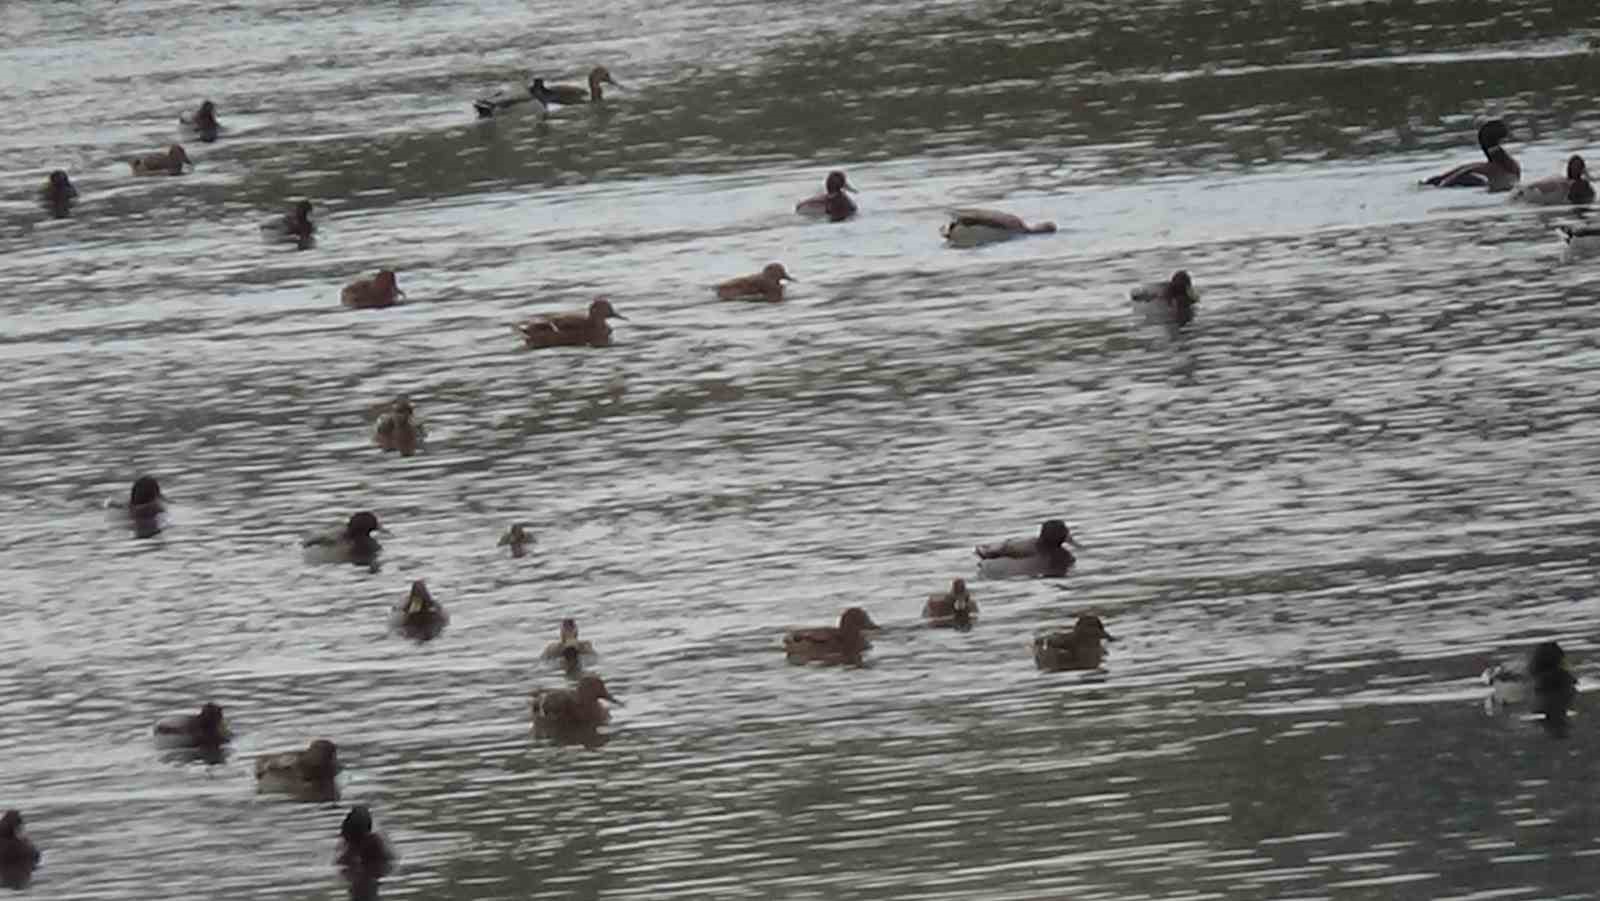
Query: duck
{"type": "Point", "coordinates": [517, 538]}
{"type": "Point", "coordinates": [202, 122]}
{"type": "Point", "coordinates": [350, 543]}
{"type": "Point", "coordinates": [169, 163]}
{"type": "Point", "coordinates": [1170, 301]}
{"type": "Point", "coordinates": [571, 94]}
{"type": "Point", "coordinates": [832, 203]}
{"type": "Point", "coordinates": [1581, 238]}
{"type": "Point", "coordinates": [1541, 680]}
{"type": "Point", "coordinates": [573, 707]}
{"type": "Point", "coordinates": [567, 641]}
{"type": "Point", "coordinates": [970, 228]}
{"type": "Point", "coordinates": [58, 195]}
{"type": "Point", "coordinates": [1079, 647]}
{"type": "Point", "coordinates": [571, 660]}
{"type": "Point", "coordinates": [843, 643]}
{"type": "Point", "coordinates": [1498, 171]}
{"type": "Point", "coordinates": [398, 429]}
{"type": "Point", "coordinates": [1045, 555]}
{"type": "Point", "coordinates": [18, 854]}
{"type": "Point", "coordinates": [419, 616]}
{"type": "Point", "coordinates": [501, 100]}
{"type": "Point", "coordinates": [294, 226]}
{"type": "Point", "coordinates": [765, 285]}
{"type": "Point", "coordinates": [309, 773]}
{"type": "Point", "coordinates": [146, 506]}
{"type": "Point", "coordinates": [206, 729]}
{"type": "Point", "coordinates": [951, 608]}
{"type": "Point", "coordinates": [373, 293]}
{"type": "Point", "coordinates": [1574, 188]}
{"type": "Point", "coordinates": [571, 329]}
{"type": "Point", "coordinates": [362, 852]}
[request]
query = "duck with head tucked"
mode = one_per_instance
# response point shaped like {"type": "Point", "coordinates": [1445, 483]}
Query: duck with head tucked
{"type": "Point", "coordinates": [970, 228]}
{"type": "Point", "coordinates": [577, 707]}
{"type": "Point", "coordinates": [517, 538]}
{"type": "Point", "coordinates": [202, 122]}
{"type": "Point", "coordinates": [18, 854]}
{"type": "Point", "coordinates": [1555, 190]}
{"type": "Point", "coordinates": [1079, 647]}
{"type": "Point", "coordinates": [843, 643]}
{"type": "Point", "coordinates": [308, 774]}
{"type": "Point", "coordinates": [833, 203]}
{"type": "Point", "coordinates": [58, 195]}
{"type": "Point", "coordinates": [570, 329]}
{"type": "Point", "coordinates": [381, 290]}
{"type": "Point", "coordinates": [419, 616]}
{"type": "Point", "coordinates": [1045, 555]}
{"type": "Point", "coordinates": [568, 640]}
{"type": "Point", "coordinates": [1542, 680]}
{"type": "Point", "coordinates": [1171, 301]}
{"type": "Point", "coordinates": [766, 285]}
{"type": "Point", "coordinates": [1498, 171]}
{"type": "Point", "coordinates": [350, 543]}
{"type": "Point", "coordinates": [169, 163]}
{"type": "Point", "coordinates": [398, 429]}
{"type": "Point", "coordinates": [206, 729]}
{"type": "Point", "coordinates": [362, 853]}
{"type": "Point", "coordinates": [294, 227]}
{"type": "Point", "coordinates": [951, 608]}
{"type": "Point", "coordinates": [571, 94]}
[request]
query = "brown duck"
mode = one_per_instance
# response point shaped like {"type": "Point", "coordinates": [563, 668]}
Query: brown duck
{"type": "Point", "coordinates": [372, 293]}
{"type": "Point", "coordinates": [765, 285]}
{"type": "Point", "coordinates": [1076, 648]}
{"type": "Point", "coordinates": [843, 643]}
{"type": "Point", "coordinates": [169, 163]}
{"type": "Point", "coordinates": [571, 329]}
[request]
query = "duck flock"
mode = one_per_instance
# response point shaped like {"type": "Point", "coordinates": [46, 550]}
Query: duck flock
{"type": "Point", "coordinates": [1542, 680]}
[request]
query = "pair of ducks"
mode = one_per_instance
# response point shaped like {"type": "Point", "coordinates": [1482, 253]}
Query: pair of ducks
{"type": "Point", "coordinates": [1499, 171]}
{"type": "Point", "coordinates": [966, 228]}
{"type": "Point", "coordinates": [547, 95]}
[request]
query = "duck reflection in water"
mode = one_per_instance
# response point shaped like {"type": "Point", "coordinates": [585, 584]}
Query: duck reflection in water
{"type": "Point", "coordinates": [1541, 683]}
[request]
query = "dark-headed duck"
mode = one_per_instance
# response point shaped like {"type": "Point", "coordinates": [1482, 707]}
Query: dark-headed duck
{"type": "Point", "coordinates": [571, 329]}
{"type": "Point", "coordinates": [1556, 190]}
{"type": "Point", "coordinates": [169, 163]}
{"type": "Point", "coordinates": [969, 228]}
{"type": "Point", "coordinates": [18, 854]}
{"type": "Point", "coordinates": [1498, 171]}
{"type": "Point", "coordinates": [951, 608]}
{"type": "Point", "coordinates": [765, 285]}
{"type": "Point", "coordinates": [1170, 301]}
{"type": "Point", "coordinates": [1079, 647]}
{"type": "Point", "coordinates": [146, 507]}
{"type": "Point", "coordinates": [843, 643]}
{"type": "Point", "coordinates": [832, 203]}
{"type": "Point", "coordinates": [362, 853]}
{"type": "Point", "coordinates": [293, 227]}
{"type": "Point", "coordinates": [58, 194]}
{"type": "Point", "coordinates": [206, 729]}
{"type": "Point", "coordinates": [377, 292]}
{"type": "Point", "coordinates": [202, 122]}
{"type": "Point", "coordinates": [350, 543]}
{"type": "Point", "coordinates": [1541, 680]}
{"type": "Point", "coordinates": [1045, 555]}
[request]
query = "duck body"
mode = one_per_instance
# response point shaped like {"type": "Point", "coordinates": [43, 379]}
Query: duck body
{"type": "Point", "coordinates": [398, 429]}
{"type": "Point", "coordinates": [308, 774]}
{"type": "Point", "coordinates": [833, 203]}
{"type": "Point", "coordinates": [954, 608]}
{"type": "Point", "coordinates": [491, 105]}
{"type": "Point", "coordinates": [974, 227]}
{"type": "Point", "coordinates": [379, 291]}
{"type": "Point", "coordinates": [1499, 171]}
{"type": "Point", "coordinates": [294, 227]}
{"type": "Point", "coordinates": [588, 329]}
{"type": "Point", "coordinates": [206, 729]}
{"type": "Point", "coordinates": [169, 163]}
{"type": "Point", "coordinates": [1043, 556]}
{"type": "Point", "coordinates": [571, 94]}
{"type": "Point", "coordinates": [350, 543]}
{"type": "Point", "coordinates": [766, 285]}
{"type": "Point", "coordinates": [419, 616]}
{"type": "Point", "coordinates": [578, 707]}
{"type": "Point", "coordinates": [1172, 301]}
{"type": "Point", "coordinates": [1572, 189]}
{"type": "Point", "coordinates": [1541, 680]}
{"type": "Point", "coordinates": [58, 195]}
{"type": "Point", "coordinates": [202, 122]}
{"type": "Point", "coordinates": [843, 643]}
{"type": "Point", "coordinates": [362, 852]}
{"type": "Point", "coordinates": [1079, 647]}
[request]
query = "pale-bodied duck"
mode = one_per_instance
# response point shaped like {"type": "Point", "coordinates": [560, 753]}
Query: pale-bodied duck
{"type": "Point", "coordinates": [1170, 301]}
{"type": "Point", "coordinates": [58, 194]}
{"type": "Point", "coordinates": [1079, 647]}
{"type": "Point", "coordinates": [970, 228]}
{"type": "Point", "coordinates": [202, 122]}
{"type": "Point", "coordinates": [398, 429]}
{"type": "Point", "coordinates": [1573, 188]}
{"type": "Point", "coordinates": [18, 854]}
{"type": "Point", "coordinates": [1044, 555]}
{"type": "Point", "coordinates": [577, 707]}
{"type": "Point", "coordinates": [833, 203]}
{"type": "Point", "coordinates": [1498, 171]}
{"type": "Point", "coordinates": [308, 774]}
{"type": "Point", "coordinates": [1541, 680]}
{"type": "Point", "coordinates": [379, 291]}
{"type": "Point", "coordinates": [350, 543]}
{"type": "Point", "coordinates": [206, 729]}
{"type": "Point", "coordinates": [517, 538]}
{"type": "Point", "coordinates": [294, 227]}
{"type": "Point", "coordinates": [955, 607]}
{"type": "Point", "coordinates": [843, 643]}
{"type": "Point", "coordinates": [571, 94]}
{"type": "Point", "coordinates": [419, 616]}
{"type": "Point", "coordinates": [504, 99]}
{"type": "Point", "coordinates": [568, 640]}
{"type": "Point", "coordinates": [571, 329]}
{"type": "Point", "coordinates": [169, 163]}
{"type": "Point", "coordinates": [362, 853]}
{"type": "Point", "coordinates": [766, 285]}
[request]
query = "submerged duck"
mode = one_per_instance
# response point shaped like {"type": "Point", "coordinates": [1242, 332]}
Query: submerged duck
{"type": "Point", "coordinates": [1542, 681]}
{"type": "Point", "coordinates": [309, 774]}
{"type": "Point", "coordinates": [419, 616]}
{"type": "Point", "coordinates": [362, 852]}
{"type": "Point", "coordinates": [571, 329]}
{"type": "Point", "coordinates": [1045, 555]}
{"type": "Point", "coordinates": [382, 290]}
{"type": "Point", "coordinates": [952, 608]}
{"type": "Point", "coordinates": [18, 854]}
{"type": "Point", "coordinates": [1498, 171]}
{"type": "Point", "coordinates": [1076, 648]}
{"type": "Point", "coordinates": [843, 643]}
{"type": "Point", "coordinates": [570, 94]}
{"type": "Point", "coordinates": [555, 650]}
{"type": "Point", "coordinates": [206, 729]}
{"type": "Point", "coordinates": [202, 122]}
{"type": "Point", "coordinates": [516, 538]}
{"type": "Point", "coordinates": [294, 226]}
{"type": "Point", "coordinates": [832, 202]}
{"type": "Point", "coordinates": [398, 429]}
{"type": "Point", "coordinates": [1575, 188]}
{"type": "Point", "coordinates": [146, 507]}
{"type": "Point", "coordinates": [169, 163]}
{"type": "Point", "coordinates": [969, 228]}
{"type": "Point", "coordinates": [765, 285]}
{"type": "Point", "coordinates": [351, 543]}
{"type": "Point", "coordinates": [58, 194]}
{"type": "Point", "coordinates": [504, 99]}
{"type": "Point", "coordinates": [573, 707]}
{"type": "Point", "coordinates": [1170, 301]}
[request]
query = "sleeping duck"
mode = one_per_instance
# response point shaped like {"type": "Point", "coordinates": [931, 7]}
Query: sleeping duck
{"type": "Point", "coordinates": [350, 543]}
{"type": "Point", "coordinates": [765, 285]}
{"type": "Point", "coordinates": [308, 774]}
{"type": "Point", "coordinates": [1170, 301]}
{"type": "Point", "coordinates": [419, 616]}
{"type": "Point", "coordinates": [294, 227]}
{"type": "Point", "coordinates": [571, 94]}
{"type": "Point", "coordinates": [1045, 555]}
{"type": "Point", "coordinates": [571, 329]}
{"type": "Point", "coordinates": [18, 854]}
{"type": "Point", "coordinates": [206, 729]}
{"type": "Point", "coordinates": [398, 429]}
{"type": "Point", "coordinates": [970, 228]}
{"type": "Point", "coordinates": [1574, 188]}
{"type": "Point", "coordinates": [58, 195]}
{"type": "Point", "coordinates": [169, 163]}
{"type": "Point", "coordinates": [382, 290]}
{"type": "Point", "coordinates": [1498, 171]}
{"type": "Point", "coordinates": [578, 707]}
{"type": "Point", "coordinates": [1541, 680]}
{"type": "Point", "coordinates": [1076, 648]}
{"type": "Point", "coordinates": [832, 204]}
{"type": "Point", "coordinates": [843, 643]}
{"type": "Point", "coordinates": [202, 122]}
{"type": "Point", "coordinates": [951, 608]}
{"type": "Point", "coordinates": [362, 853]}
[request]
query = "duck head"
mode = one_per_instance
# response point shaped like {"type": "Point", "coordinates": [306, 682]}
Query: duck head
{"type": "Point", "coordinates": [361, 525]}
{"type": "Point", "coordinates": [1547, 657]}
{"type": "Point", "coordinates": [774, 272]}
{"type": "Point", "coordinates": [357, 824]}
{"type": "Point", "coordinates": [855, 620]}
{"type": "Point", "coordinates": [1054, 533]}
{"type": "Point", "coordinates": [210, 718]}
{"type": "Point", "coordinates": [569, 631]}
{"type": "Point", "coordinates": [62, 185]}
{"type": "Point", "coordinates": [601, 75]}
{"type": "Point", "coordinates": [146, 490]}
{"type": "Point", "coordinates": [836, 182]}
{"type": "Point", "coordinates": [592, 689]}
{"type": "Point", "coordinates": [10, 824]}
{"type": "Point", "coordinates": [322, 756]}
{"type": "Point", "coordinates": [207, 115]}
{"type": "Point", "coordinates": [385, 281]}
{"type": "Point", "coordinates": [1492, 133]}
{"type": "Point", "coordinates": [1577, 168]}
{"type": "Point", "coordinates": [600, 309]}
{"type": "Point", "coordinates": [302, 211]}
{"type": "Point", "coordinates": [1090, 626]}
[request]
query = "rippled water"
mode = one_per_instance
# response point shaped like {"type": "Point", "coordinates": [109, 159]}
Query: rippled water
{"type": "Point", "coordinates": [1367, 470]}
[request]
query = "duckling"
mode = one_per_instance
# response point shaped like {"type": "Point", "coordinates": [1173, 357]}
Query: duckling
{"type": "Point", "coordinates": [294, 226]}
{"type": "Point", "coordinates": [1542, 680]}
{"type": "Point", "coordinates": [573, 707]}
{"type": "Point", "coordinates": [1498, 172]}
{"type": "Point", "coordinates": [570, 94]}
{"type": "Point", "coordinates": [419, 616]}
{"type": "Point", "coordinates": [58, 195]}
{"type": "Point", "coordinates": [1169, 301]}
{"type": "Point", "coordinates": [146, 507]}
{"type": "Point", "coordinates": [832, 202]}
{"type": "Point", "coordinates": [1076, 648]}
{"type": "Point", "coordinates": [169, 163]}
{"type": "Point", "coordinates": [202, 122]}
{"type": "Point", "coordinates": [831, 644]}
{"type": "Point", "coordinates": [18, 854]}
{"type": "Point", "coordinates": [372, 293]}
{"type": "Point", "coordinates": [952, 608]}
{"type": "Point", "coordinates": [399, 430]}
{"type": "Point", "coordinates": [568, 640]}
{"type": "Point", "coordinates": [571, 329]}
{"type": "Point", "coordinates": [517, 538]}
{"type": "Point", "coordinates": [765, 285]}
{"type": "Point", "coordinates": [307, 774]}
{"type": "Point", "coordinates": [205, 729]}
{"type": "Point", "coordinates": [1045, 555]}
{"type": "Point", "coordinates": [1575, 188]}
{"type": "Point", "coordinates": [362, 853]}
{"type": "Point", "coordinates": [970, 228]}
{"type": "Point", "coordinates": [351, 543]}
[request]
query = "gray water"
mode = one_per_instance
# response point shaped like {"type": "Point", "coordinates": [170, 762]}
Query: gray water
{"type": "Point", "coordinates": [1367, 470]}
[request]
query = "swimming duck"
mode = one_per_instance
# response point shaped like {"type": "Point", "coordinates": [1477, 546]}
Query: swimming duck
{"type": "Point", "coordinates": [765, 285]}
{"type": "Point", "coordinates": [1045, 555]}
{"type": "Point", "coordinates": [309, 774]}
{"type": "Point", "coordinates": [1575, 188]}
{"type": "Point", "coordinates": [372, 293]}
{"type": "Point", "coordinates": [398, 429]}
{"type": "Point", "coordinates": [58, 194]}
{"type": "Point", "coordinates": [1170, 301]}
{"type": "Point", "coordinates": [206, 729]}
{"type": "Point", "coordinates": [571, 329]}
{"type": "Point", "coordinates": [568, 640]}
{"type": "Point", "coordinates": [570, 94]}
{"type": "Point", "coordinates": [169, 163]}
{"type": "Point", "coordinates": [843, 643]}
{"type": "Point", "coordinates": [18, 854]}
{"type": "Point", "coordinates": [507, 98]}
{"type": "Point", "coordinates": [1581, 238]}
{"type": "Point", "coordinates": [146, 506]}
{"type": "Point", "coordinates": [1542, 680]}
{"type": "Point", "coordinates": [419, 616]}
{"type": "Point", "coordinates": [969, 228]}
{"type": "Point", "coordinates": [516, 538]}
{"type": "Point", "coordinates": [952, 608]}
{"type": "Point", "coordinates": [1498, 172]}
{"type": "Point", "coordinates": [294, 226]}
{"type": "Point", "coordinates": [573, 707]}
{"type": "Point", "coordinates": [832, 202]}
{"type": "Point", "coordinates": [351, 543]}
{"type": "Point", "coordinates": [1076, 648]}
{"type": "Point", "coordinates": [362, 853]}
{"type": "Point", "coordinates": [202, 122]}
